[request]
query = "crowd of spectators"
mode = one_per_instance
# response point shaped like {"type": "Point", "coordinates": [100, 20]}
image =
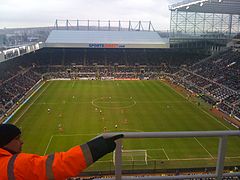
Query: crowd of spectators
{"type": "Point", "coordinates": [102, 71]}
{"type": "Point", "coordinates": [128, 57]}
{"type": "Point", "coordinates": [223, 68]}
{"type": "Point", "coordinates": [15, 88]}
{"type": "Point", "coordinates": [216, 77]}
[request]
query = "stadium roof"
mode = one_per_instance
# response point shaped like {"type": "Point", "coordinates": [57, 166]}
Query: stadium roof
{"type": "Point", "coordinates": [208, 6]}
{"type": "Point", "coordinates": [105, 39]}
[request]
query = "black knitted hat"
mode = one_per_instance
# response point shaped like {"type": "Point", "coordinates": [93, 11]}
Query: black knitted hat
{"type": "Point", "coordinates": [7, 133]}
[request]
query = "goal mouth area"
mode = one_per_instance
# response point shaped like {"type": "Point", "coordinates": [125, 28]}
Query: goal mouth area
{"type": "Point", "coordinates": [138, 157]}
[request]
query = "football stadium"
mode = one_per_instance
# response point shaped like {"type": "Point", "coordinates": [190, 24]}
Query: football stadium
{"type": "Point", "coordinates": [176, 98]}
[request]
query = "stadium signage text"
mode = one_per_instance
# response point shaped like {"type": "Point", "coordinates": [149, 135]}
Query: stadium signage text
{"type": "Point", "coordinates": [106, 46]}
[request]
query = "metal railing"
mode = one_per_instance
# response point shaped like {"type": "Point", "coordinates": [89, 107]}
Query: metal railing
{"type": "Point", "coordinates": [223, 135]}
{"type": "Point", "coordinates": [100, 25]}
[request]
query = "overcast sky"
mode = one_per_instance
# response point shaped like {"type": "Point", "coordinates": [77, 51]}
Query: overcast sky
{"type": "Point", "coordinates": [35, 13]}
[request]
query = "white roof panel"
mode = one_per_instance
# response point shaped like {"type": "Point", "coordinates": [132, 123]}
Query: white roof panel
{"type": "Point", "coordinates": [97, 39]}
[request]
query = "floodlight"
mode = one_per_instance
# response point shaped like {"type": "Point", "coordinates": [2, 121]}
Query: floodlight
{"type": "Point", "coordinates": [189, 3]}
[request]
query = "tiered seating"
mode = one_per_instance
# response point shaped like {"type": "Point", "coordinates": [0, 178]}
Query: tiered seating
{"type": "Point", "coordinates": [14, 88]}
{"type": "Point", "coordinates": [217, 76]}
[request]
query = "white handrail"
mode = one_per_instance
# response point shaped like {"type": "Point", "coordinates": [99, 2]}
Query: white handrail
{"type": "Point", "coordinates": [183, 134]}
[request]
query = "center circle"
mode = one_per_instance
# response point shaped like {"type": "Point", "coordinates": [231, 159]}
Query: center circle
{"type": "Point", "coordinates": [113, 102]}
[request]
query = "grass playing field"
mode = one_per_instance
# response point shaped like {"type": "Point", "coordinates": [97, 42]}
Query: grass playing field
{"type": "Point", "coordinates": [67, 113]}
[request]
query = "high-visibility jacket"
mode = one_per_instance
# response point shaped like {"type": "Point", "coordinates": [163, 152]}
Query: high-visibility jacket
{"type": "Point", "coordinates": [57, 166]}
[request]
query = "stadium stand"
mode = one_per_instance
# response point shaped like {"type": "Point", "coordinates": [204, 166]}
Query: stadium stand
{"type": "Point", "coordinates": [221, 69]}
{"type": "Point", "coordinates": [217, 77]}
{"type": "Point", "coordinates": [15, 83]}
{"type": "Point", "coordinates": [212, 78]}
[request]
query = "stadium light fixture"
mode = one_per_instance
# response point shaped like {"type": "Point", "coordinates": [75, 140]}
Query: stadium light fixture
{"type": "Point", "coordinates": [188, 3]}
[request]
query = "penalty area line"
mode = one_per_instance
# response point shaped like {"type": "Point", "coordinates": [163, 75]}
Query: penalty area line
{"type": "Point", "coordinates": [204, 148]}
{"type": "Point", "coordinates": [165, 154]}
{"type": "Point", "coordinates": [68, 135]}
{"type": "Point", "coordinates": [64, 135]}
{"type": "Point", "coordinates": [161, 149]}
{"type": "Point", "coordinates": [49, 142]}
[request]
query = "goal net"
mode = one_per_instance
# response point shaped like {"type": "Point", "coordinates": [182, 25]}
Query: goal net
{"type": "Point", "coordinates": [130, 157]}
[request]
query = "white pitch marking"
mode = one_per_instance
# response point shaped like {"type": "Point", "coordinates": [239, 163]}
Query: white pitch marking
{"type": "Point", "coordinates": [190, 159]}
{"type": "Point", "coordinates": [200, 109]}
{"type": "Point", "coordinates": [165, 154]}
{"type": "Point", "coordinates": [215, 119]}
{"type": "Point", "coordinates": [30, 105]}
{"type": "Point", "coordinates": [204, 148]}
{"type": "Point", "coordinates": [73, 84]}
{"type": "Point", "coordinates": [49, 142]}
{"type": "Point", "coordinates": [66, 135]}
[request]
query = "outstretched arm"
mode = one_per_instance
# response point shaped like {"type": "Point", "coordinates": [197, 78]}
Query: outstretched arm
{"type": "Point", "coordinates": [71, 163]}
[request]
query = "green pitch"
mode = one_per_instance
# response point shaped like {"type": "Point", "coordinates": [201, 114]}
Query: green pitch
{"type": "Point", "coordinates": [67, 113]}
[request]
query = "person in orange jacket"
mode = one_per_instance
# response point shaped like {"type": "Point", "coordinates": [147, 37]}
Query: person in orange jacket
{"type": "Point", "coordinates": [15, 165]}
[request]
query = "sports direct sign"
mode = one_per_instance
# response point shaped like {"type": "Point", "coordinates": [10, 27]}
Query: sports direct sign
{"type": "Point", "coordinates": [106, 46]}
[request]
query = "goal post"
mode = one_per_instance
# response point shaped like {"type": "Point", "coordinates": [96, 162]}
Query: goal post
{"type": "Point", "coordinates": [138, 157]}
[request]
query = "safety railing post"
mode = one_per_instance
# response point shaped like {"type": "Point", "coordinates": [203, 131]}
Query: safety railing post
{"type": "Point", "coordinates": [222, 148]}
{"type": "Point", "coordinates": [118, 160]}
